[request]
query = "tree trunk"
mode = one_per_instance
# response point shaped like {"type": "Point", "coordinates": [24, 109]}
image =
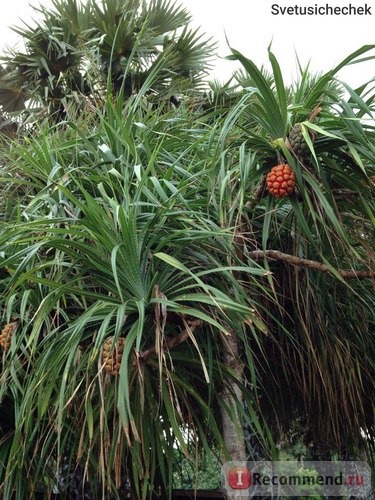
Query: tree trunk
{"type": "Point", "coordinates": [232, 423]}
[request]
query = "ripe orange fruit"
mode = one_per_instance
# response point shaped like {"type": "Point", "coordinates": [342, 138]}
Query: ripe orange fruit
{"type": "Point", "coordinates": [112, 354]}
{"type": "Point", "coordinates": [281, 181]}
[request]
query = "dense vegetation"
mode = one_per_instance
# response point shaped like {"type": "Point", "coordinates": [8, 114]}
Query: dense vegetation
{"type": "Point", "coordinates": [152, 223]}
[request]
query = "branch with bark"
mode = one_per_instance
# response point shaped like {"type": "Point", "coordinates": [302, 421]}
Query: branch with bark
{"type": "Point", "coordinates": [311, 264]}
{"type": "Point", "coordinates": [171, 342]}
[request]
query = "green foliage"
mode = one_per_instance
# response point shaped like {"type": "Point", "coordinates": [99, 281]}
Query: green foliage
{"type": "Point", "coordinates": [323, 338]}
{"type": "Point", "coordinates": [78, 51]}
{"type": "Point", "coordinates": [148, 224]}
{"type": "Point", "coordinates": [113, 239]}
{"type": "Point", "coordinates": [202, 473]}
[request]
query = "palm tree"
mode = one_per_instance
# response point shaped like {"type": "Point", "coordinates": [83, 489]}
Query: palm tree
{"type": "Point", "coordinates": [317, 245]}
{"type": "Point", "coordinates": [74, 51]}
{"type": "Point", "coordinates": [123, 249]}
{"type": "Point", "coordinates": [307, 241]}
{"type": "Point", "coordinates": [152, 287]}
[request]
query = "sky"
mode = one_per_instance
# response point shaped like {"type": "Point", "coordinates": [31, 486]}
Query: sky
{"type": "Point", "coordinates": [250, 26]}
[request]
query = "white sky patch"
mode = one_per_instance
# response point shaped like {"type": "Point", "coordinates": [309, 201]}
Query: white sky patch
{"type": "Point", "coordinates": [250, 27]}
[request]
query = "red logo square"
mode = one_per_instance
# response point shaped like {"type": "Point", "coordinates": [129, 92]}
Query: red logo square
{"type": "Point", "coordinates": [239, 478]}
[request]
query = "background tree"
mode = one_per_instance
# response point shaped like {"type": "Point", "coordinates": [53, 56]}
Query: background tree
{"type": "Point", "coordinates": [78, 51]}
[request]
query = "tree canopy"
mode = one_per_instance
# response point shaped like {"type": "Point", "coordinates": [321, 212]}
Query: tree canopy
{"type": "Point", "coordinates": [77, 52]}
{"type": "Point", "coordinates": [144, 239]}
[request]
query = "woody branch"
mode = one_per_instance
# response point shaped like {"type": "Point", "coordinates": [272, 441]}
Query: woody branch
{"type": "Point", "coordinates": [311, 264]}
{"type": "Point", "coordinates": [171, 342]}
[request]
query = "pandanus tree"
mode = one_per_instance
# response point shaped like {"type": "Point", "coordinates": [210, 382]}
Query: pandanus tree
{"type": "Point", "coordinates": [156, 296]}
{"type": "Point", "coordinates": [310, 222]}
{"type": "Point", "coordinates": [74, 49]}
{"type": "Point", "coordinates": [118, 293]}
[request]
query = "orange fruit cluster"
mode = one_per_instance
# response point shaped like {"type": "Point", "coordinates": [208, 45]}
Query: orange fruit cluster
{"type": "Point", "coordinates": [6, 335]}
{"type": "Point", "coordinates": [281, 181]}
{"type": "Point", "coordinates": [112, 354]}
